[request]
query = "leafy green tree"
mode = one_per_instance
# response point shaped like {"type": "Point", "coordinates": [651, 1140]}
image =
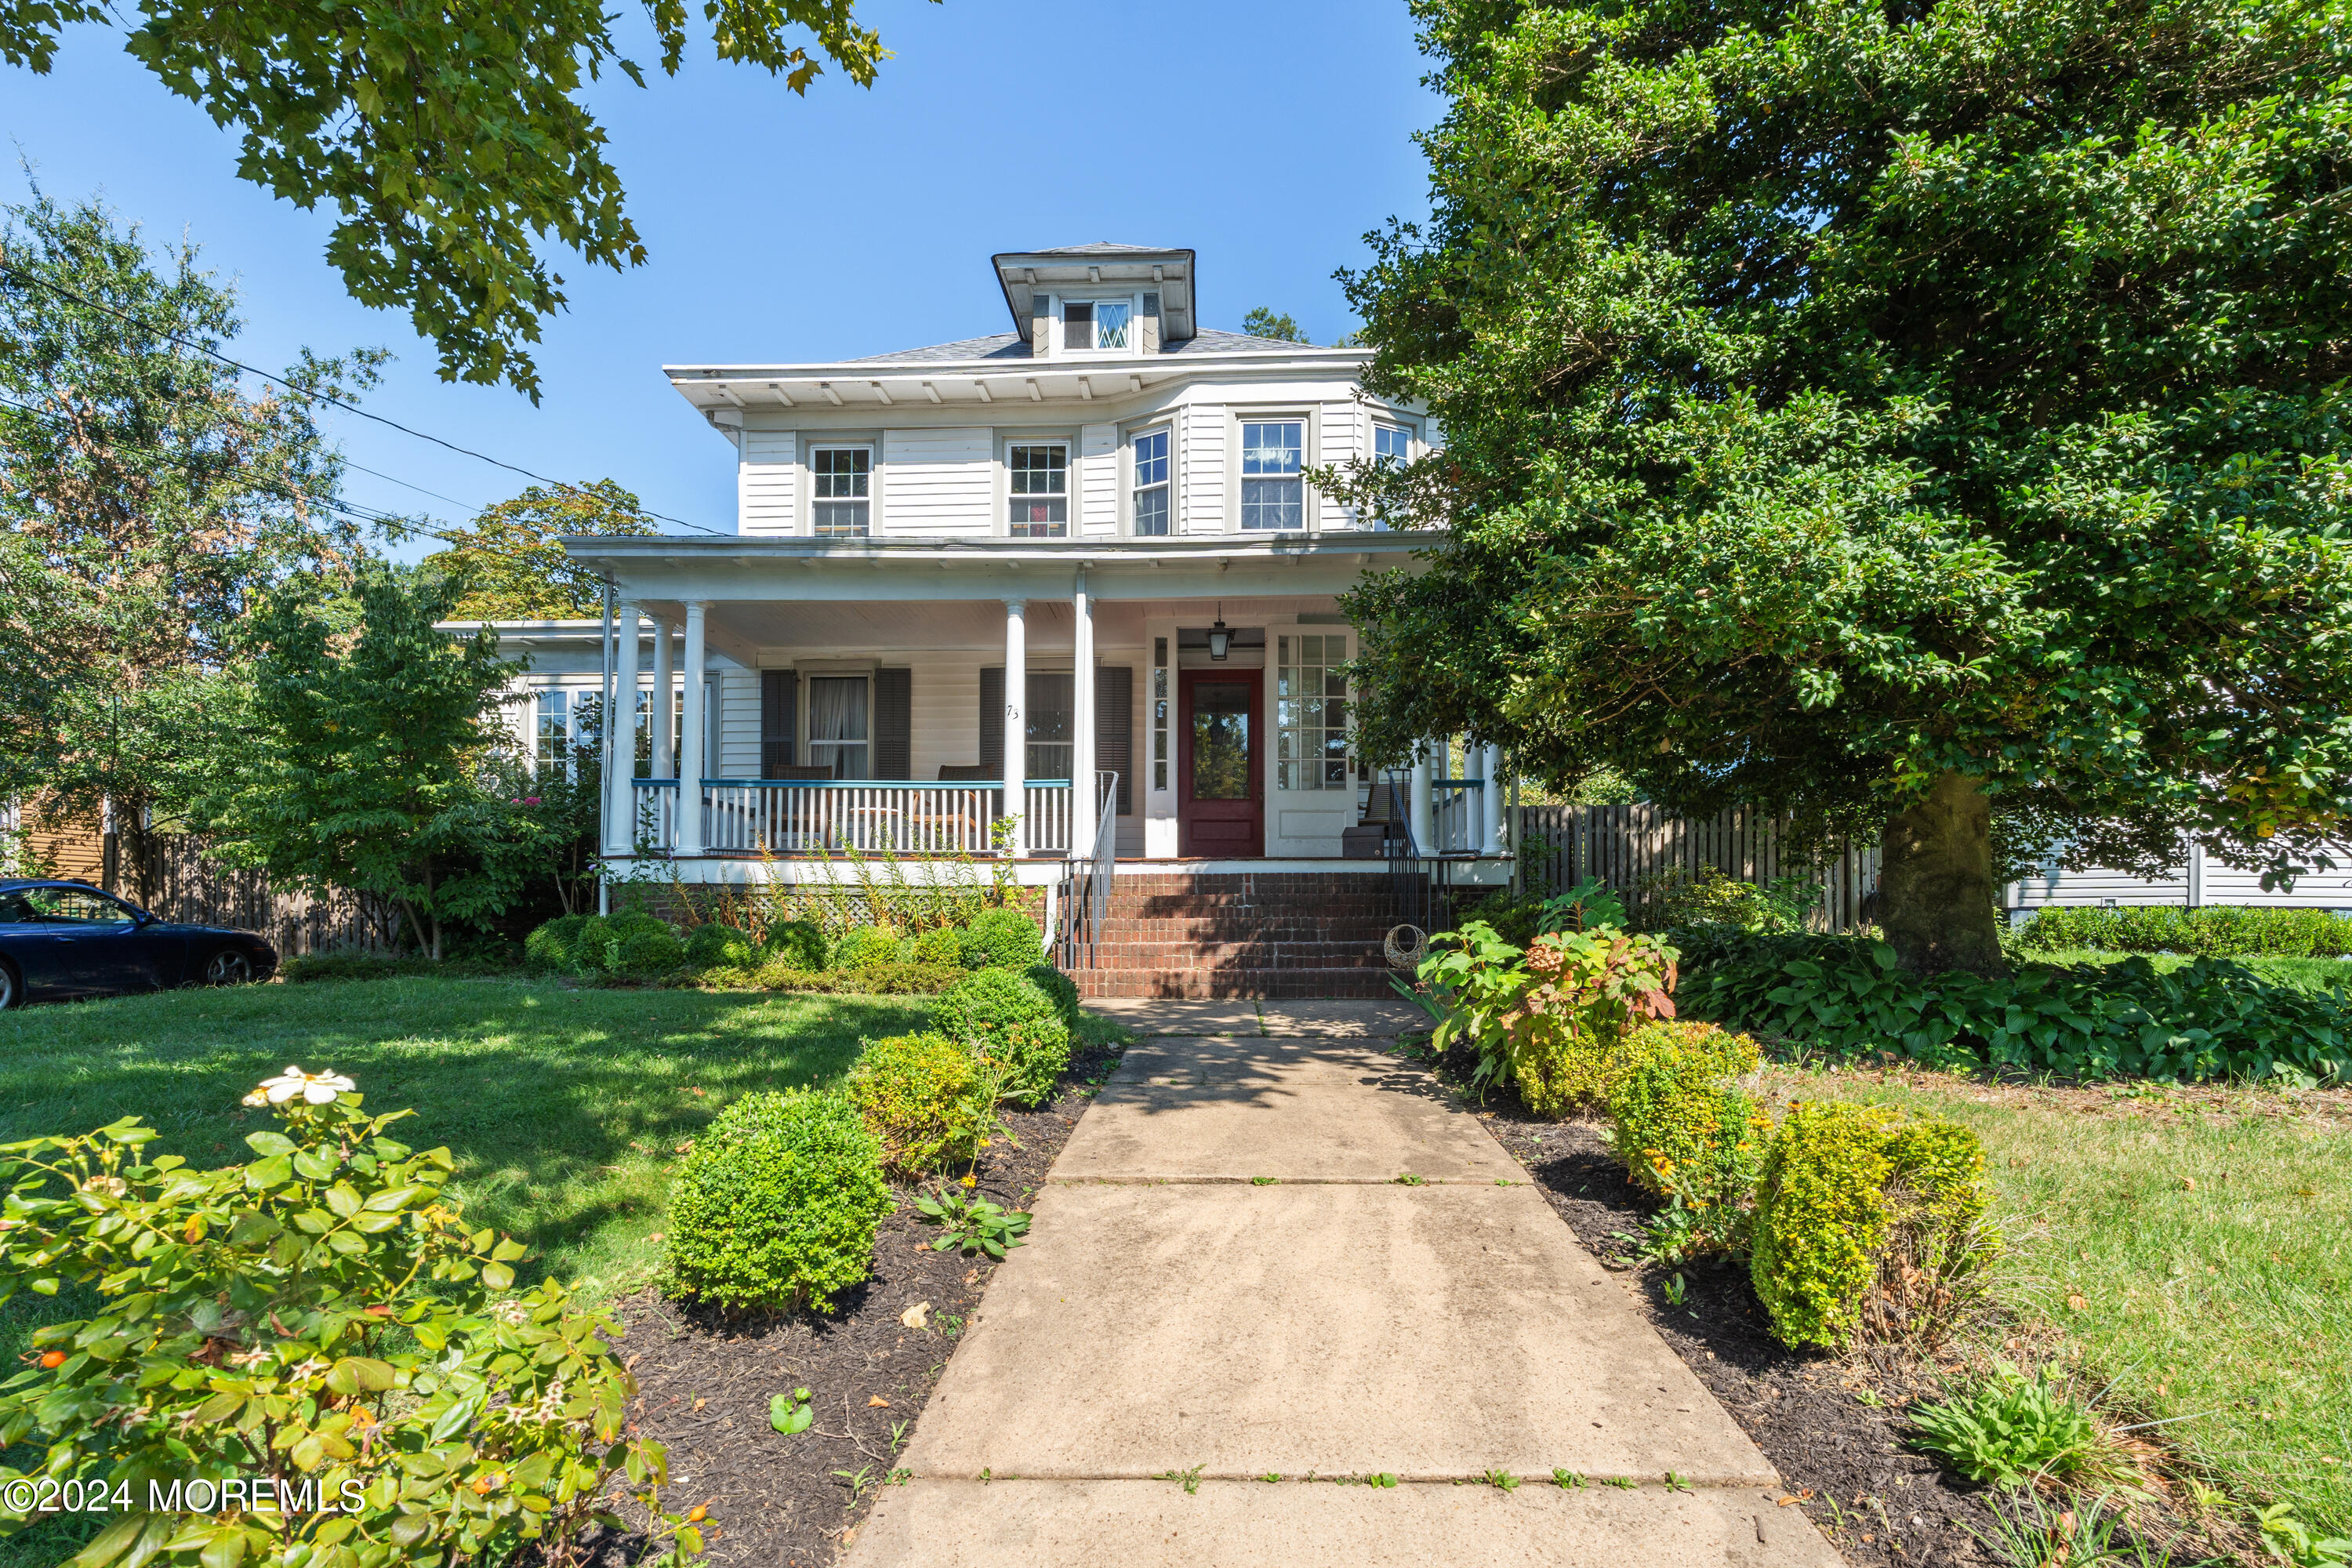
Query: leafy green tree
{"type": "Point", "coordinates": [1890, 413]}
{"type": "Point", "coordinates": [1261, 323]}
{"type": "Point", "coordinates": [372, 755]}
{"type": "Point", "coordinates": [454, 141]}
{"type": "Point", "coordinates": [511, 566]}
{"type": "Point", "coordinates": [146, 500]}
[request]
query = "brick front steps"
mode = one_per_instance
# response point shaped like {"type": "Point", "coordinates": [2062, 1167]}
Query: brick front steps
{"type": "Point", "coordinates": [1289, 935]}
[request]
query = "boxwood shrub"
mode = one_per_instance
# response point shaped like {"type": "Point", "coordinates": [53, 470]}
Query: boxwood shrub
{"type": "Point", "coordinates": [800, 943]}
{"type": "Point", "coordinates": [1002, 939]}
{"type": "Point", "coordinates": [1009, 1018]}
{"type": "Point", "coordinates": [777, 1206]}
{"type": "Point", "coordinates": [2208, 1018]}
{"type": "Point", "coordinates": [1865, 1221]}
{"type": "Point", "coordinates": [941, 945]}
{"type": "Point", "coordinates": [862, 946]}
{"type": "Point", "coordinates": [926, 1097]}
{"type": "Point", "coordinates": [866, 980]}
{"type": "Point", "coordinates": [718, 946]}
{"type": "Point", "coordinates": [1678, 1122]}
{"type": "Point", "coordinates": [637, 946]}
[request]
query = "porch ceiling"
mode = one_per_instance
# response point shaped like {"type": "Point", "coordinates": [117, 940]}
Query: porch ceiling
{"type": "Point", "coordinates": [790, 628]}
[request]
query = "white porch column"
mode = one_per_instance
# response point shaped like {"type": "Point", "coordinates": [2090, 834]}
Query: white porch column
{"type": "Point", "coordinates": [1082, 722]}
{"type": "Point", "coordinates": [689, 779]}
{"type": "Point", "coordinates": [621, 732]}
{"type": "Point", "coordinates": [1498, 820]}
{"type": "Point", "coordinates": [1424, 819]}
{"type": "Point", "coordinates": [1016, 722]}
{"type": "Point", "coordinates": [665, 764]}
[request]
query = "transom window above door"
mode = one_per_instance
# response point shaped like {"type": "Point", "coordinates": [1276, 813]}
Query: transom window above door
{"type": "Point", "coordinates": [1274, 493]}
{"type": "Point", "coordinates": [1092, 324]}
{"type": "Point", "coordinates": [844, 479]}
{"type": "Point", "coordinates": [1041, 491]}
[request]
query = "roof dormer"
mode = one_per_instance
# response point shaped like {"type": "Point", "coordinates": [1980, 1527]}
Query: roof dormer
{"type": "Point", "coordinates": [1079, 301]}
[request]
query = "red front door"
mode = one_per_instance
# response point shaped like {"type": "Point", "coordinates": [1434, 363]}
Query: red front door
{"type": "Point", "coordinates": [1220, 793]}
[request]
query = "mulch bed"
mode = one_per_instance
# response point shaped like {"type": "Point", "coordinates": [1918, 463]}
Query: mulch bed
{"type": "Point", "coordinates": [1877, 1500]}
{"type": "Point", "coordinates": [704, 1380]}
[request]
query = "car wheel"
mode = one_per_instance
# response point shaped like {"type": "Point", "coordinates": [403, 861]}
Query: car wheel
{"type": "Point", "coordinates": [228, 967]}
{"type": "Point", "coordinates": [12, 990]}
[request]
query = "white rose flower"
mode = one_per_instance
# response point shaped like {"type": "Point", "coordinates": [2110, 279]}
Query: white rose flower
{"type": "Point", "coordinates": [315, 1087]}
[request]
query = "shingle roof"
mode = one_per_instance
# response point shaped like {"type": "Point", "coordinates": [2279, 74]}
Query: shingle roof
{"type": "Point", "coordinates": [1009, 345]}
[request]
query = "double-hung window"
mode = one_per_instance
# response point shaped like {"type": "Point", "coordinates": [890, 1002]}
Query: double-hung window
{"type": "Point", "coordinates": [843, 479]}
{"type": "Point", "coordinates": [836, 724]}
{"type": "Point", "coordinates": [1150, 494]}
{"type": "Point", "coordinates": [1093, 324]}
{"type": "Point", "coordinates": [1040, 475]}
{"type": "Point", "coordinates": [1391, 449]}
{"type": "Point", "coordinates": [1273, 493]}
{"type": "Point", "coordinates": [553, 753]}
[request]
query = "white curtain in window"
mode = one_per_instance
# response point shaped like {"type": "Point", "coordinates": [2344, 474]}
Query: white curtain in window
{"type": "Point", "coordinates": [836, 724]}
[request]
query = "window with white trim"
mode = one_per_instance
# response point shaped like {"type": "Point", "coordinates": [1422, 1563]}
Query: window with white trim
{"type": "Point", "coordinates": [1392, 446]}
{"type": "Point", "coordinates": [1090, 325]}
{"type": "Point", "coordinates": [1158, 712]}
{"type": "Point", "coordinates": [1310, 711]}
{"type": "Point", "coordinates": [843, 479]}
{"type": "Point", "coordinates": [837, 726]}
{"type": "Point", "coordinates": [1274, 493]}
{"type": "Point", "coordinates": [1039, 473]}
{"type": "Point", "coordinates": [1150, 491]}
{"type": "Point", "coordinates": [552, 750]}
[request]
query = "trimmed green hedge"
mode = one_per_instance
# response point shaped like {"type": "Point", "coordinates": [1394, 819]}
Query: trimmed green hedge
{"type": "Point", "coordinates": [2209, 1019]}
{"type": "Point", "coordinates": [2218, 930]}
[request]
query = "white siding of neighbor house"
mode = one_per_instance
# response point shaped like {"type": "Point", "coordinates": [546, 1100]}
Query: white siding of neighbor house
{"type": "Point", "coordinates": [937, 481]}
{"type": "Point", "coordinates": [1097, 482]}
{"type": "Point", "coordinates": [2204, 881]}
{"type": "Point", "coordinates": [766, 482]}
{"type": "Point", "coordinates": [1204, 470]}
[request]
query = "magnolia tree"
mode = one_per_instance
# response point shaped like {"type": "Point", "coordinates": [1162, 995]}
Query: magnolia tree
{"type": "Point", "coordinates": [1910, 416]}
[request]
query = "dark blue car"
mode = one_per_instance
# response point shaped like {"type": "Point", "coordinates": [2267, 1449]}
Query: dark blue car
{"type": "Point", "coordinates": [68, 939]}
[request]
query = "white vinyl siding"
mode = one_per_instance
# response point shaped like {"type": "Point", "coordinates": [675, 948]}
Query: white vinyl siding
{"type": "Point", "coordinates": [940, 482]}
{"type": "Point", "coordinates": [1204, 470]}
{"type": "Point", "coordinates": [1340, 435]}
{"type": "Point", "coordinates": [1097, 482]}
{"type": "Point", "coordinates": [765, 482]}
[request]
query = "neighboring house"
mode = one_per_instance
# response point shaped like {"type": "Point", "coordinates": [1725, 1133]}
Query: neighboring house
{"type": "Point", "coordinates": [2201, 880]}
{"type": "Point", "coordinates": [963, 576]}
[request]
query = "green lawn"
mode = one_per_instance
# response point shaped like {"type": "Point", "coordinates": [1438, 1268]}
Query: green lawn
{"type": "Point", "coordinates": [565, 1108]}
{"type": "Point", "coordinates": [2207, 1234]}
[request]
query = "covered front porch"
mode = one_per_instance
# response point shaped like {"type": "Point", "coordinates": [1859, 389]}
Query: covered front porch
{"type": "Point", "coordinates": [924, 701]}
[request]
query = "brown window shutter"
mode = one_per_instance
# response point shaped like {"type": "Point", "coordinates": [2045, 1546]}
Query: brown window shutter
{"type": "Point", "coordinates": [893, 724]}
{"type": "Point", "coordinates": [779, 719]}
{"type": "Point", "coordinates": [1115, 729]}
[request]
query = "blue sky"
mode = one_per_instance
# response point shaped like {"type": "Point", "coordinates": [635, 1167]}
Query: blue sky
{"type": "Point", "coordinates": [1267, 134]}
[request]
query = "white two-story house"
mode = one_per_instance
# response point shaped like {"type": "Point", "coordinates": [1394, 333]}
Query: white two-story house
{"type": "Point", "coordinates": [963, 576]}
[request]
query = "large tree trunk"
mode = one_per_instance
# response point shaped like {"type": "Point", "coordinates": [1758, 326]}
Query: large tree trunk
{"type": "Point", "coordinates": [1937, 900]}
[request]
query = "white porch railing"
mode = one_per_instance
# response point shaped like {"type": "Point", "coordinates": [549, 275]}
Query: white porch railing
{"type": "Point", "coordinates": [810, 816]}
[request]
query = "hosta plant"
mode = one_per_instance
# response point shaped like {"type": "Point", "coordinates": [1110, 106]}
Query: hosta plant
{"type": "Point", "coordinates": [320, 1328]}
{"type": "Point", "coordinates": [2011, 1428]}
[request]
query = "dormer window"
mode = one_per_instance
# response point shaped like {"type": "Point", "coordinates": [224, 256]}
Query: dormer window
{"type": "Point", "coordinates": [1094, 324]}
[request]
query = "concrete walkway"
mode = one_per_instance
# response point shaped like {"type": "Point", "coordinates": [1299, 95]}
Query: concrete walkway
{"type": "Point", "coordinates": [1231, 1308]}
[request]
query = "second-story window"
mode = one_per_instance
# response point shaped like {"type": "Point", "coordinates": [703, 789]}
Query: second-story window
{"type": "Point", "coordinates": [1041, 491]}
{"type": "Point", "coordinates": [1274, 453]}
{"type": "Point", "coordinates": [553, 751]}
{"type": "Point", "coordinates": [845, 476]}
{"type": "Point", "coordinates": [1392, 446]}
{"type": "Point", "coordinates": [1151, 497]}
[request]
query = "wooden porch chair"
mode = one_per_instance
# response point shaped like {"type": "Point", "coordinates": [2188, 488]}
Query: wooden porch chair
{"type": "Point", "coordinates": [955, 826]}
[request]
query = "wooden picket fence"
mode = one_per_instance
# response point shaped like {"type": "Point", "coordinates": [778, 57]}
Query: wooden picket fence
{"type": "Point", "coordinates": [189, 886]}
{"type": "Point", "coordinates": [1630, 847]}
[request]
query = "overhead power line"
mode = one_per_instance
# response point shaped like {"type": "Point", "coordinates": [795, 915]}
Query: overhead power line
{"type": "Point", "coordinates": [22, 277]}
